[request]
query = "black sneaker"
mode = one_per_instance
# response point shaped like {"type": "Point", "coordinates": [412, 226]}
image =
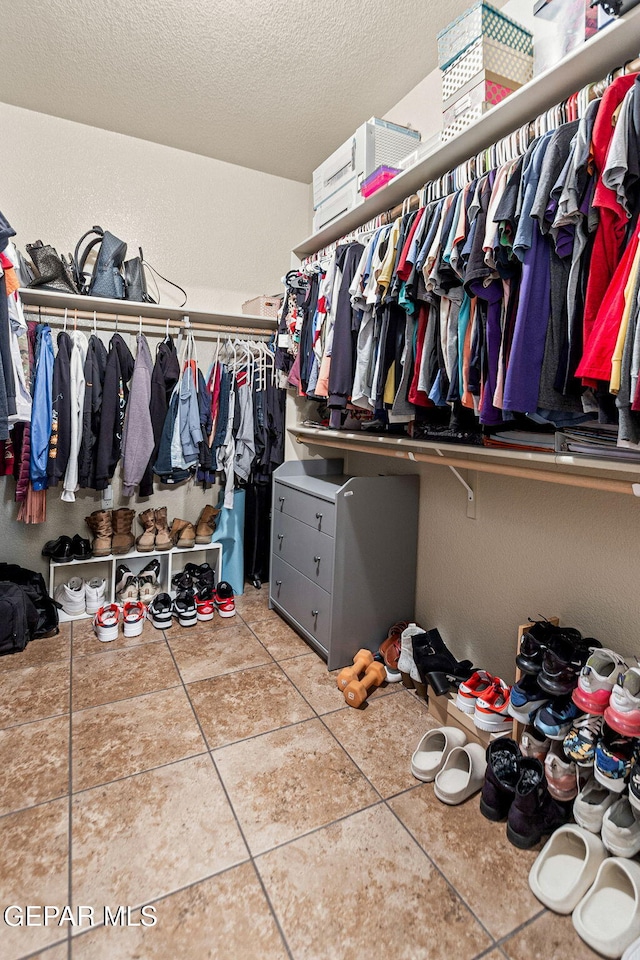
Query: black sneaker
{"type": "Point", "coordinates": [183, 582]}
{"type": "Point", "coordinates": [123, 575]}
{"type": "Point", "coordinates": [562, 662]}
{"type": "Point", "coordinates": [535, 641]}
{"type": "Point", "coordinates": [225, 603]}
{"type": "Point", "coordinates": [185, 611]}
{"type": "Point", "coordinates": [152, 569]}
{"type": "Point", "coordinates": [160, 611]}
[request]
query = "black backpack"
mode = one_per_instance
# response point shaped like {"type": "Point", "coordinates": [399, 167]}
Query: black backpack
{"type": "Point", "coordinates": [35, 588]}
{"type": "Point", "coordinates": [18, 618]}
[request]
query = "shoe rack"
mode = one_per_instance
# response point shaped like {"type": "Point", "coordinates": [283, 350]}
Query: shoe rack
{"type": "Point", "coordinates": [171, 562]}
{"type": "Point", "coordinates": [518, 728]}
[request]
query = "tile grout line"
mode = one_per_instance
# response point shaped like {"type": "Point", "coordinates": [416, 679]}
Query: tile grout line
{"type": "Point", "coordinates": [235, 815]}
{"type": "Point", "coordinates": [527, 923]}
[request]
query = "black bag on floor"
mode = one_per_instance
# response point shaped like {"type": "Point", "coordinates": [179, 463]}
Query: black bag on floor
{"type": "Point", "coordinates": [35, 588]}
{"type": "Point", "coordinates": [18, 618]}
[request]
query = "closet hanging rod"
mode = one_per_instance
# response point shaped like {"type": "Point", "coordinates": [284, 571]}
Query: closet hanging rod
{"type": "Point", "coordinates": [86, 316]}
{"type": "Point", "coordinates": [522, 473]}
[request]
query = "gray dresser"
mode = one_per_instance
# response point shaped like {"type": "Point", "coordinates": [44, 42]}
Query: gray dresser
{"type": "Point", "coordinates": [343, 555]}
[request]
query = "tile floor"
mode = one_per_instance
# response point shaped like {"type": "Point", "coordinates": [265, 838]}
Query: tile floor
{"type": "Point", "coordinates": [216, 774]}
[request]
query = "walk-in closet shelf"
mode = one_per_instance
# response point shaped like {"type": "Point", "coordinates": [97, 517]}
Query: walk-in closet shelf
{"type": "Point", "coordinates": [606, 475]}
{"type": "Point", "coordinates": [616, 43]}
{"type": "Point", "coordinates": [170, 563]}
{"type": "Point", "coordinates": [48, 299]}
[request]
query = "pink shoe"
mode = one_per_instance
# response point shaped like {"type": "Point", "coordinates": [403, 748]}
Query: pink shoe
{"type": "Point", "coordinates": [623, 712]}
{"type": "Point", "coordinates": [596, 681]}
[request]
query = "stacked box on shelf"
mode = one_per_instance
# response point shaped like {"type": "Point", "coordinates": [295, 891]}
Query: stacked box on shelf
{"type": "Point", "coordinates": [484, 56]}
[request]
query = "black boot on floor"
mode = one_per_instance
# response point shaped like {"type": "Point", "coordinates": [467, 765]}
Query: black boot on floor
{"type": "Point", "coordinates": [504, 761]}
{"type": "Point", "coordinates": [534, 813]}
{"type": "Point", "coordinates": [436, 664]}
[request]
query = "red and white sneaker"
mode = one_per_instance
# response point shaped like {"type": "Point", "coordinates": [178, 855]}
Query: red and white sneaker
{"type": "Point", "coordinates": [205, 605]}
{"type": "Point", "coordinates": [225, 603]}
{"type": "Point", "coordinates": [469, 691]}
{"type": "Point", "coordinates": [105, 623]}
{"type": "Point", "coordinates": [623, 712]}
{"type": "Point", "coordinates": [133, 615]}
{"type": "Point", "coordinates": [597, 679]}
{"type": "Point", "coordinates": [492, 708]}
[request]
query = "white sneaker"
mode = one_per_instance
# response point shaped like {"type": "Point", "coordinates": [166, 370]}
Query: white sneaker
{"type": "Point", "coordinates": [71, 597]}
{"type": "Point", "coordinates": [591, 804]}
{"type": "Point", "coordinates": [130, 591]}
{"type": "Point", "coordinates": [621, 830]}
{"type": "Point", "coordinates": [133, 617]}
{"type": "Point", "coordinates": [105, 623]}
{"type": "Point", "coordinates": [94, 594]}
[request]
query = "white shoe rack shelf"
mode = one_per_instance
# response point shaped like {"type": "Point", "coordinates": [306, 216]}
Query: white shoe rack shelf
{"type": "Point", "coordinates": [171, 562]}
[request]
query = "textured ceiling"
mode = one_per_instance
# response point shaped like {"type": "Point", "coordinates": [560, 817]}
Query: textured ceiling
{"type": "Point", "coordinates": [268, 84]}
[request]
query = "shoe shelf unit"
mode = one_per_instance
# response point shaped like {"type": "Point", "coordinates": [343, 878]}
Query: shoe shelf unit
{"type": "Point", "coordinates": [170, 564]}
{"type": "Point", "coordinates": [518, 728]}
{"type": "Point", "coordinates": [608, 49]}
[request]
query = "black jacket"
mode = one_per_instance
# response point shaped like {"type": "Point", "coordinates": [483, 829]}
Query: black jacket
{"type": "Point", "coordinates": [115, 394]}
{"type": "Point", "coordinates": [60, 442]}
{"type": "Point", "coordinates": [95, 367]}
{"type": "Point", "coordinates": [166, 371]}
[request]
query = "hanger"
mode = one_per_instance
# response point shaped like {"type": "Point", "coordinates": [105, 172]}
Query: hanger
{"type": "Point", "coordinates": [66, 312]}
{"type": "Point", "coordinates": [95, 320]}
{"type": "Point", "coordinates": [140, 326]}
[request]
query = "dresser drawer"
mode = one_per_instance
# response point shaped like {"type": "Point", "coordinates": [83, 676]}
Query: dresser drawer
{"type": "Point", "coordinates": [317, 513]}
{"type": "Point", "coordinates": [304, 548]}
{"type": "Point", "coordinates": [305, 601]}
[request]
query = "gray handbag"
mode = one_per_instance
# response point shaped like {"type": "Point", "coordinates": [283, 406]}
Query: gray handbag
{"type": "Point", "coordinates": [106, 278]}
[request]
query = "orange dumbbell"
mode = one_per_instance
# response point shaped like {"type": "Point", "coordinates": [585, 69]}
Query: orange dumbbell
{"type": "Point", "coordinates": [358, 690]}
{"type": "Point", "coordinates": [361, 661]}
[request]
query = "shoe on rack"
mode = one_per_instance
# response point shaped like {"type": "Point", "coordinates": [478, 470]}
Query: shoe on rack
{"type": "Point", "coordinates": [146, 542]}
{"type": "Point", "coordinates": [130, 591]}
{"type": "Point", "coordinates": [634, 786]}
{"type": "Point", "coordinates": [176, 527]}
{"type": "Point", "coordinates": [183, 534]}
{"type": "Point", "coordinates": [205, 604]}
{"type": "Point", "coordinates": [469, 690]}
{"type": "Point", "coordinates": [596, 680]}
{"type": "Point", "coordinates": [580, 742]}
{"type": "Point", "coordinates": [60, 550]}
{"type": "Point", "coordinates": [526, 699]}
{"type": "Point", "coordinates": [225, 603]}
{"type": "Point", "coordinates": [147, 588]}
{"type": "Point", "coordinates": [437, 666]}
{"type": "Point", "coordinates": [70, 596]}
{"type": "Point", "coordinates": [205, 576]}
{"type": "Point", "coordinates": [534, 744]}
{"type": "Point", "coordinates": [566, 868]}
{"type": "Point", "coordinates": [492, 708]}
{"type": "Point", "coordinates": [152, 569]}
{"type": "Point", "coordinates": [95, 594]}
{"type": "Point", "coordinates": [614, 755]}
{"type": "Point", "coordinates": [133, 617]}
{"type": "Point", "coordinates": [562, 662]}
{"type": "Point", "coordinates": [591, 804]}
{"type": "Point", "coordinates": [80, 548]}
{"type": "Point", "coordinates": [184, 609]}
{"type": "Point", "coordinates": [534, 813]}
{"type": "Point", "coordinates": [608, 916]}
{"type": "Point", "coordinates": [183, 582]}
{"type": "Point", "coordinates": [206, 524]}
{"type": "Point", "coordinates": [123, 575]}
{"type": "Point", "coordinates": [504, 761]}
{"type": "Point", "coordinates": [556, 719]}
{"type": "Point", "coordinates": [160, 611]}
{"type": "Point", "coordinates": [101, 526]}
{"type": "Point", "coordinates": [163, 538]}
{"type": "Point", "coordinates": [123, 539]}
{"type": "Point", "coordinates": [623, 712]}
{"type": "Point", "coordinates": [620, 829]}
{"type": "Point", "coordinates": [534, 643]}
{"type": "Point", "coordinates": [561, 774]}
{"type": "Point", "coordinates": [105, 623]}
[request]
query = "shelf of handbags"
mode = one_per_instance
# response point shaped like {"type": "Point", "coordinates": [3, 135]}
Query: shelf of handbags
{"type": "Point", "coordinates": [154, 562]}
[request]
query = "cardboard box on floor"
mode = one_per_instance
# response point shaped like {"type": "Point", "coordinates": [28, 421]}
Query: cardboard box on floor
{"type": "Point", "coordinates": [445, 711]}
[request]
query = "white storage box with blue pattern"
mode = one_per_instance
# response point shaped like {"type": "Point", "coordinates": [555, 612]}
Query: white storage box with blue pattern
{"type": "Point", "coordinates": [481, 21]}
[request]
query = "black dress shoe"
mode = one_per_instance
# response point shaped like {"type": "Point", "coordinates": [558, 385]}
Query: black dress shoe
{"type": "Point", "coordinates": [56, 546]}
{"type": "Point", "coordinates": [80, 548]}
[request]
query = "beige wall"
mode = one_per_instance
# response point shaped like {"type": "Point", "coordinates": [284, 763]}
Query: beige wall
{"type": "Point", "coordinates": [223, 232]}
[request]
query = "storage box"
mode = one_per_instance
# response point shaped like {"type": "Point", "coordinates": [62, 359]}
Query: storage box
{"type": "Point", "coordinates": [491, 56]}
{"type": "Point", "coordinates": [378, 179]}
{"type": "Point", "coordinates": [486, 88]}
{"type": "Point", "coordinates": [481, 21]}
{"type": "Point", "coordinates": [263, 307]}
{"type": "Point", "coordinates": [464, 721]}
{"type": "Point", "coordinates": [464, 120]}
{"type": "Point", "coordinates": [438, 706]}
{"type": "Point", "coordinates": [574, 21]}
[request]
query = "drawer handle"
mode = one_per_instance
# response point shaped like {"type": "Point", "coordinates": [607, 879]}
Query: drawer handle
{"type": "Point", "coordinates": [318, 516]}
{"type": "Point", "coordinates": [317, 559]}
{"type": "Point", "coordinates": [314, 613]}
{"type": "Point", "coordinates": [278, 583]}
{"type": "Point", "coordinates": [281, 536]}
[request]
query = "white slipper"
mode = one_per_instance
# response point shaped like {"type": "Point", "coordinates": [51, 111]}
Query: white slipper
{"type": "Point", "coordinates": [432, 751]}
{"type": "Point", "coordinates": [608, 917]}
{"type": "Point", "coordinates": [462, 774]}
{"type": "Point", "coordinates": [632, 952]}
{"type": "Point", "coordinates": [566, 867]}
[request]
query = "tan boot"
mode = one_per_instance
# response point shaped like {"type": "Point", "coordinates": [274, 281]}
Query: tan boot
{"type": "Point", "coordinates": [163, 538]}
{"type": "Point", "coordinates": [206, 524]}
{"type": "Point", "coordinates": [146, 542]}
{"type": "Point", "coordinates": [176, 527]}
{"type": "Point", "coordinates": [187, 537]}
{"type": "Point", "coordinates": [123, 538]}
{"type": "Point", "coordinates": [99, 524]}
